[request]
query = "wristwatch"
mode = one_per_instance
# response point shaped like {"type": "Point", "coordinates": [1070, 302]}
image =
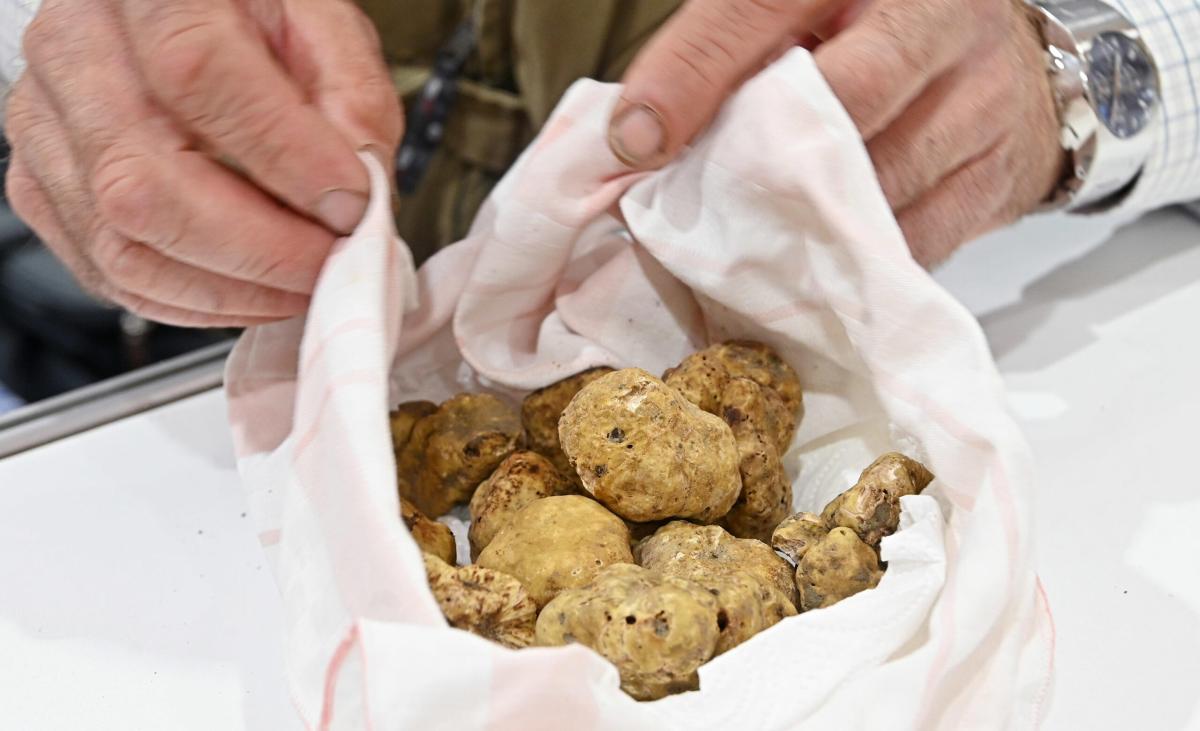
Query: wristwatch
{"type": "Point", "coordinates": [1106, 90]}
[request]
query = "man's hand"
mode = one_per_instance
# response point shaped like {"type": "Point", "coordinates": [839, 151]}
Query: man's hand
{"type": "Point", "coordinates": [951, 97]}
{"type": "Point", "coordinates": [192, 160]}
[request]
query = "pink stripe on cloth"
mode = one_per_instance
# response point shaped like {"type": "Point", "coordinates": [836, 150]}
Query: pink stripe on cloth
{"type": "Point", "coordinates": [1043, 605]}
{"type": "Point", "coordinates": [944, 613]}
{"type": "Point", "coordinates": [357, 325]}
{"type": "Point", "coordinates": [366, 377]}
{"type": "Point", "coordinates": [333, 673]}
{"type": "Point", "coordinates": [996, 477]}
{"type": "Point", "coordinates": [260, 386]}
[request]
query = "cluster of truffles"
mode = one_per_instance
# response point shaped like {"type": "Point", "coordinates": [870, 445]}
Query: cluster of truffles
{"type": "Point", "coordinates": [647, 518]}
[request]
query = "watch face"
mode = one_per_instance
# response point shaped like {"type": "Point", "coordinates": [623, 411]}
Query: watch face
{"type": "Point", "coordinates": [1122, 82]}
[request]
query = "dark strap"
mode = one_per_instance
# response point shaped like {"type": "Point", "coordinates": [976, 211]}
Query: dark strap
{"type": "Point", "coordinates": [426, 126]}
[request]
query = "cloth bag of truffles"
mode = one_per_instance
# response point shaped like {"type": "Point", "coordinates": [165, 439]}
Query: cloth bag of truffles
{"type": "Point", "coordinates": [771, 228]}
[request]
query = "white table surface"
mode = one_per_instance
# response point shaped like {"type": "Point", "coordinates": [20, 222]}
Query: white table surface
{"type": "Point", "coordinates": [133, 594]}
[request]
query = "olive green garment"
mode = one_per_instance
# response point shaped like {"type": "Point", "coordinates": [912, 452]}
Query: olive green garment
{"type": "Point", "coordinates": [527, 53]}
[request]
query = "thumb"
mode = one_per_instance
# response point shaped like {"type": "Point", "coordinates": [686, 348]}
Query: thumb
{"type": "Point", "coordinates": [334, 53]}
{"type": "Point", "coordinates": [679, 80]}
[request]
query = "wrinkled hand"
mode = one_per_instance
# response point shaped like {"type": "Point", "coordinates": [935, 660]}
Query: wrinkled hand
{"type": "Point", "coordinates": [192, 160]}
{"type": "Point", "coordinates": [951, 97]}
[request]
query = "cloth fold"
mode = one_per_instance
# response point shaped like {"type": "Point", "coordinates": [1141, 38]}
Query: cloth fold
{"type": "Point", "coordinates": [771, 227]}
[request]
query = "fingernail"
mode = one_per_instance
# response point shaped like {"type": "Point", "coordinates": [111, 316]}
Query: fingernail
{"type": "Point", "coordinates": [341, 210]}
{"type": "Point", "coordinates": [636, 135]}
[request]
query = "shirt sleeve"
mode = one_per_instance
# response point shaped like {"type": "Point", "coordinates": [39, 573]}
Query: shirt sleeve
{"type": "Point", "coordinates": [1171, 29]}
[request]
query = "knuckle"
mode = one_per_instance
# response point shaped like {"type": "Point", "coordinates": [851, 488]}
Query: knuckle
{"type": "Point", "coordinates": [909, 166]}
{"type": "Point", "coordinates": [997, 169]}
{"type": "Point", "coordinates": [974, 187]}
{"type": "Point", "coordinates": [183, 59]}
{"type": "Point", "coordinates": [898, 40]}
{"type": "Point", "coordinates": [910, 58]}
{"type": "Point", "coordinates": [897, 182]}
{"type": "Point", "coordinates": [29, 122]}
{"type": "Point", "coordinates": [935, 146]}
{"type": "Point", "coordinates": [261, 267]}
{"type": "Point", "coordinates": [1015, 193]}
{"type": "Point", "coordinates": [375, 106]}
{"type": "Point", "coordinates": [22, 193]}
{"type": "Point", "coordinates": [125, 192]}
{"type": "Point", "coordinates": [752, 17]}
{"type": "Point", "coordinates": [855, 83]}
{"type": "Point", "coordinates": [986, 183]}
{"type": "Point", "coordinates": [192, 75]}
{"type": "Point", "coordinates": [693, 54]}
{"type": "Point", "coordinates": [204, 296]}
{"type": "Point", "coordinates": [248, 128]}
{"type": "Point", "coordinates": [117, 260]}
{"type": "Point", "coordinates": [20, 114]}
{"type": "Point", "coordinates": [57, 42]}
{"type": "Point", "coordinates": [39, 39]}
{"type": "Point", "coordinates": [133, 303]}
{"type": "Point", "coordinates": [354, 16]}
{"type": "Point", "coordinates": [993, 97]}
{"type": "Point", "coordinates": [715, 41]}
{"type": "Point", "coordinates": [264, 124]}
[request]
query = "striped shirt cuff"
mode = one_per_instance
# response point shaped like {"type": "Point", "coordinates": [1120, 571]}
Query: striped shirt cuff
{"type": "Point", "coordinates": [1171, 29]}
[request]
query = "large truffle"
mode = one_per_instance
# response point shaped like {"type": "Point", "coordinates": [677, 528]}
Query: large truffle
{"type": "Point", "coordinates": [703, 376]}
{"type": "Point", "coordinates": [558, 543]}
{"type": "Point", "coordinates": [519, 480]}
{"type": "Point", "coordinates": [454, 449]}
{"type": "Point", "coordinates": [541, 410]}
{"type": "Point", "coordinates": [657, 630]}
{"type": "Point", "coordinates": [482, 601]}
{"type": "Point", "coordinates": [766, 496]}
{"type": "Point", "coordinates": [753, 586]}
{"type": "Point", "coordinates": [647, 453]}
{"type": "Point", "coordinates": [871, 508]}
{"type": "Point", "coordinates": [837, 566]}
{"type": "Point", "coordinates": [798, 533]}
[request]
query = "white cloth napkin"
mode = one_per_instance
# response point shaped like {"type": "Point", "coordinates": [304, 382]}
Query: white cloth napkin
{"type": "Point", "coordinates": [771, 227]}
